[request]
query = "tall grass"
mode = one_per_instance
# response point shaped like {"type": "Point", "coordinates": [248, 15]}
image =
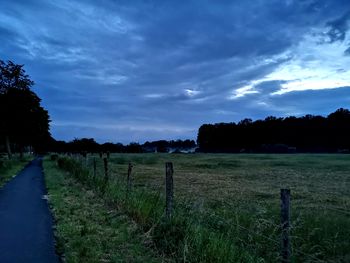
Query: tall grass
{"type": "Point", "coordinates": [210, 224]}
{"type": "Point", "coordinates": [10, 168]}
{"type": "Point", "coordinates": [188, 236]}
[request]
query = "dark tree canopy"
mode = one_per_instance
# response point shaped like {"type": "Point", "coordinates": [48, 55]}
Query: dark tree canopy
{"type": "Point", "coordinates": [23, 122]}
{"type": "Point", "coordinates": [13, 76]}
{"type": "Point", "coordinates": [291, 134]}
{"type": "Point", "coordinates": [90, 145]}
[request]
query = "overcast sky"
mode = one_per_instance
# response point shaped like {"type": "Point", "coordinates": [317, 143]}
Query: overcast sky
{"type": "Point", "coordinates": [127, 71]}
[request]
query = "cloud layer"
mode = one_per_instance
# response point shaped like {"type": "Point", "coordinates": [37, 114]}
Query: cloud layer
{"type": "Point", "coordinates": [144, 70]}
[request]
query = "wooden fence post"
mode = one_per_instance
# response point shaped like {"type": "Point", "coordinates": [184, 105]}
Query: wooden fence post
{"type": "Point", "coordinates": [94, 167]}
{"type": "Point", "coordinates": [81, 158]}
{"type": "Point", "coordinates": [128, 187]}
{"type": "Point", "coordinates": [105, 164]}
{"type": "Point", "coordinates": [169, 188]}
{"type": "Point", "coordinates": [285, 225]}
{"type": "Point", "coordinates": [86, 158]}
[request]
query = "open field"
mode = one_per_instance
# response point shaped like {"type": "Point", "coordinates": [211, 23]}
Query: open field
{"type": "Point", "coordinates": [230, 204]}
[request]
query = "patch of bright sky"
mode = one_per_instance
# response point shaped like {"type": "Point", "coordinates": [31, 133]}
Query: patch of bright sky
{"type": "Point", "coordinates": [191, 93]}
{"type": "Point", "coordinates": [241, 92]}
{"type": "Point", "coordinates": [104, 78]}
{"type": "Point", "coordinates": [154, 96]}
{"type": "Point", "coordinates": [316, 63]}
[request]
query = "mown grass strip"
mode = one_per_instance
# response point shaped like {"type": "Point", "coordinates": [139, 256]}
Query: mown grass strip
{"type": "Point", "coordinates": [88, 230]}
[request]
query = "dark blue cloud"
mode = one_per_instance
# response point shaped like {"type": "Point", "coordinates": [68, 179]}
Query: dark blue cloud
{"type": "Point", "coordinates": [314, 101]}
{"type": "Point", "coordinates": [347, 51]}
{"type": "Point", "coordinates": [268, 87]}
{"type": "Point", "coordinates": [338, 28]}
{"type": "Point", "coordinates": [139, 70]}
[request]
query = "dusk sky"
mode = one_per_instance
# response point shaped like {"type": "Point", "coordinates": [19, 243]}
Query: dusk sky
{"type": "Point", "coordinates": [126, 71]}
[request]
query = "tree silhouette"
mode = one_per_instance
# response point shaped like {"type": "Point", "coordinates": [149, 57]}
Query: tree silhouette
{"type": "Point", "coordinates": [13, 76]}
{"type": "Point", "coordinates": [23, 120]}
{"type": "Point", "coordinates": [308, 133]}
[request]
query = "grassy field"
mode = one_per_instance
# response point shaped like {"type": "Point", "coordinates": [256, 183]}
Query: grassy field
{"type": "Point", "coordinates": [227, 206]}
{"type": "Point", "coordinates": [10, 168]}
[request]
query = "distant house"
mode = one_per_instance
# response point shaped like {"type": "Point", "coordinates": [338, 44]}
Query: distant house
{"type": "Point", "coordinates": [163, 146]}
{"type": "Point", "coordinates": [182, 150]}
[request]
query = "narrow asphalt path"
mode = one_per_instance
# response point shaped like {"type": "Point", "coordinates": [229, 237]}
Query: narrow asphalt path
{"type": "Point", "coordinates": [26, 233]}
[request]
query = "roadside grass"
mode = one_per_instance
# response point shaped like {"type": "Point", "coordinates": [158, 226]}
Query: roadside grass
{"type": "Point", "coordinates": [88, 229]}
{"type": "Point", "coordinates": [184, 238]}
{"type": "Point", "coordinates": [10, 168]}
{"type": "Point", "coordinates": [227, 206]}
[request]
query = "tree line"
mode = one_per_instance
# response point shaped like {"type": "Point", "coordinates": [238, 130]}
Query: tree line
{"type": "Point", "coordinates": [90, 145]}
{"type": "Point", "coordinates": [309, 133]}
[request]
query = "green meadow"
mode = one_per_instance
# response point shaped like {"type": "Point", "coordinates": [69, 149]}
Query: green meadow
{"type": "Point", "coordinates": [227, 206]}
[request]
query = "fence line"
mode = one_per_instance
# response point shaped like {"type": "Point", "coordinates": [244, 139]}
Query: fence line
{"type": "Point", "coordinates": [285, 207]}
{"type": "Point", "coordinates": [277, 186]}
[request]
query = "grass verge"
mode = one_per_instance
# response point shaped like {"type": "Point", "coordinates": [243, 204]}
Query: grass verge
{"type": "Point", "coordinates": [88, 230]}
{"type": "Point", "coordinates": [192, 235]}
{"type": "Point", "coordinates": [10, 168]}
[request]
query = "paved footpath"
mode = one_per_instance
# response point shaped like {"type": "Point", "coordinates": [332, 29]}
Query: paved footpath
{"type": "Point", "coordinates": [26, 233]}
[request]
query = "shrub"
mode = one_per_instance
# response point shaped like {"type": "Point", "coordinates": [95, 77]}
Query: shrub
{"type": "Point", "coordinates": [54, 157]}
